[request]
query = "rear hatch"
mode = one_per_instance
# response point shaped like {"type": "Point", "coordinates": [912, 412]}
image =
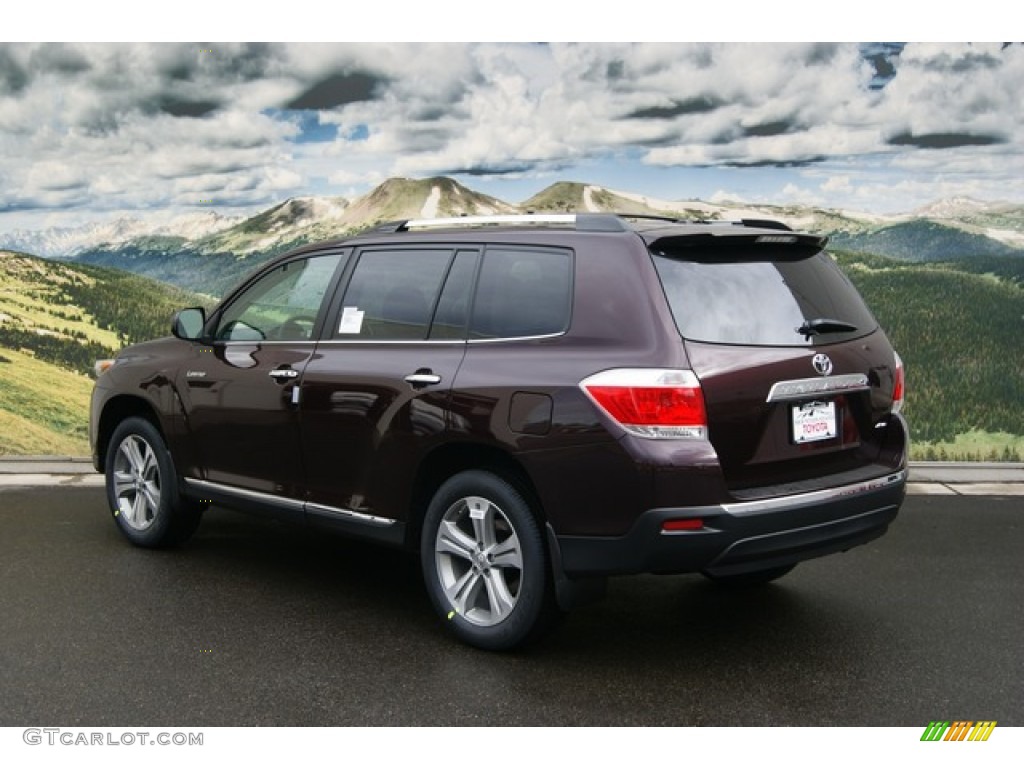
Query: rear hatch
{"type": "Point", "coordinates": [797, 377]}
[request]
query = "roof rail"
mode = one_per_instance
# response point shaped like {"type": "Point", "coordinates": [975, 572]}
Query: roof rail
{"type": "Point", "coordinates": [583, 222]}
{"type": "Point", "coordinates": [497, 219]}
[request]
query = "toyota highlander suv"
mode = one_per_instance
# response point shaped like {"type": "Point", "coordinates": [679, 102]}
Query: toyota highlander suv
{"type": "Point", "coordinates": [530, 403]}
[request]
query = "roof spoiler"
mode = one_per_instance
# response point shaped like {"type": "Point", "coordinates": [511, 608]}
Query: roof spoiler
{"type": "Point", "coordinates": [737, 245]}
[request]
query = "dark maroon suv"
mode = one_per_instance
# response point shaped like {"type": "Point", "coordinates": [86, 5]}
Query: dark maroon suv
{"type": "Point", "coordinates": [533, 403]}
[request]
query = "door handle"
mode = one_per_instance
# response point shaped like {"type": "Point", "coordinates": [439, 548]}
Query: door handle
{"type": "Point", "coordinates": [284, 373]}
{"type": "Point", "coordinates": [422, 378]}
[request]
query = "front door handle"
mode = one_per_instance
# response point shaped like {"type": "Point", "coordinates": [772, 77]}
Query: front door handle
{"type": "Point", "coordinates": [423, 378]}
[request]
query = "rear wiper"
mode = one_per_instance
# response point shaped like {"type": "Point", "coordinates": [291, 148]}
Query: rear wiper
{"type": "Point", "coordinates": [823, 325]}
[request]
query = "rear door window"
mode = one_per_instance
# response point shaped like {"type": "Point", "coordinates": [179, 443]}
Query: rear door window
{"type": "Point", "coordinates": [392, 294]}
{"type": "Point", "coordinates": [761, 302]}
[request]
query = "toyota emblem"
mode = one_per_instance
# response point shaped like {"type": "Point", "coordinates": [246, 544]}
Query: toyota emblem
{"type": "Point", "coordinates": [822, 364]}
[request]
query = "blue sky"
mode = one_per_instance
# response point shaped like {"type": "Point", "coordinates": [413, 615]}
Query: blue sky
{"type": "Point", "coordinates": [90, 131]}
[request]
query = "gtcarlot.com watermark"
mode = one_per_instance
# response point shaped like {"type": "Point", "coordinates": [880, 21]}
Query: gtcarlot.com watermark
{"type": "Point", "coordinates": [71, 738]}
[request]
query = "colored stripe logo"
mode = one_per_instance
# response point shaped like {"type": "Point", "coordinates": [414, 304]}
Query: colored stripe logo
{"type": "Point", "coordinates": [959, 730]}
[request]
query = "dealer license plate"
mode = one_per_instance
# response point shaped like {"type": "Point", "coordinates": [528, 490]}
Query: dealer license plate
{"type": "Point", "coordinates": [814, 421]}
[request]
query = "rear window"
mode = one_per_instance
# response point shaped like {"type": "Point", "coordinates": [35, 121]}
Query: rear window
{"type": "Point", "coordinates": [761, 303]}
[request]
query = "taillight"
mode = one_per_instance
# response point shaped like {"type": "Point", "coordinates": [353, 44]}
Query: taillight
{"type": "Point", "coordinates": [898, 387]}
{"type": "Point", "coordinates": [651, 402]}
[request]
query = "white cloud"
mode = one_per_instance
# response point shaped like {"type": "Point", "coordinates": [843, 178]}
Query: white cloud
{"type": "Point", "coordinates": [121, 126]}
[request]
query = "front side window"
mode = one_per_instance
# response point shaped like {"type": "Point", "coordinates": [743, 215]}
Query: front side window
{"type": "Point", "coordinates": [281, 305]}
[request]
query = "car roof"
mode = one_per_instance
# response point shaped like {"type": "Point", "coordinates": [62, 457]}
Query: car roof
{"type": "Point", "coordinates": [652, 229]}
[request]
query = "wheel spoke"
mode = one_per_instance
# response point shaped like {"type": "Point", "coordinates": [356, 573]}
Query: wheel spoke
{"type": "Point", "coordinates": [464, 591]}
{"type": "Point", "coordinates": [138, 516]}
{"type": "Point", "coordinates": [149, 467]}
{"type": "Point", "coordinates": [151, 493]}
{"type": "Point", "coordinates": [131, 451]}
{"type": "Point", "coordinates": [481, 512]}
{"type": "Point", "coordinates": [452, 540]}
{"type": "Point", "coordinates": [501, 600]}
{"type": "Point", "coordinates": [123, 483]}
{"type": "Point", "coordinates": [506, 554]}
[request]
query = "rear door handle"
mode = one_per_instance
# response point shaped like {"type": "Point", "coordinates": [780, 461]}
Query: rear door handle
{"type": "Point", "coordinates": [420, 379]}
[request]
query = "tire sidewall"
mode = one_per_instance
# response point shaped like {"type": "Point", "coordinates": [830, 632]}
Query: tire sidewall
{"type": "Point", "coordinates": [527, 616]}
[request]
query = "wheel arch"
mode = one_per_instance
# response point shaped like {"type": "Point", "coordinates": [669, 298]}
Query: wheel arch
{"type": "Point", "coordinates": [116, 410]}
{"type": "Point", "coordinates": [450, 459]}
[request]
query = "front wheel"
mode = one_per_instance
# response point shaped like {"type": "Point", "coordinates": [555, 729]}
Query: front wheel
{"type": "Point", "coordinates": [484, 562]}
{"type": "Point", "coordinates": [142, 488]}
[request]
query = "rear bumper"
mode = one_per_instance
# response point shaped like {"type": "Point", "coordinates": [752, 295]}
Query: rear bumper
{"type": "Point", "coordinates": [743, 536]}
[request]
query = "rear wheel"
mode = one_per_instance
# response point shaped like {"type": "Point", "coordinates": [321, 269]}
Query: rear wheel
{"type": "Point", "coordinates": [484, 562]}
{"type": "Point", "coordinates": [142, 488]}
{"type": "Point", "coordinates": [751, 579]}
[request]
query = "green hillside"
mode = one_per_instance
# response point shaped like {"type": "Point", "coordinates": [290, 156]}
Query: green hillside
{"type": "Point", "coordinates": [922, 240]}
{"type": "Point", "coordinates": [56, 320]}
{"type": "Point", "coordinates": [211, 273]}
{"type": "Point", "coordinates": [958, 331]}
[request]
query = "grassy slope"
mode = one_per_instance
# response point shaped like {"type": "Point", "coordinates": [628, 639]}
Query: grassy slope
{"type": "Point", "coordinates": [55, 320]}
{"type": "Point", "coordinates": [34, 295]}
{"type": "Point", "coordinates": [43, 408]}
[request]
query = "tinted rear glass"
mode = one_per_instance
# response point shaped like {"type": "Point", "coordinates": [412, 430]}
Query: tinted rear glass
{"type": "Point", "coordinates": [761, 302]}
{"type": "Point", "coordinates": [521, 293]}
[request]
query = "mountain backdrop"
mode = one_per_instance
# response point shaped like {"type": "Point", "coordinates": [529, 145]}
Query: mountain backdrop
{"type": "Point", "coordinates": [209, 252]}
{"type": "Point", "coordinates": [946, 281]}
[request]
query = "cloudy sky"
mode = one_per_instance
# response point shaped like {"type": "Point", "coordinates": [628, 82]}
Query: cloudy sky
{"type": "Point", "coordinates": [94, 130]}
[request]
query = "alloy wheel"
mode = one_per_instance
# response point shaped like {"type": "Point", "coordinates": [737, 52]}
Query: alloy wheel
{"type": "Point", "coordinates": [137, 482]}
{"type": "Point", "coordinates": [479, 561]}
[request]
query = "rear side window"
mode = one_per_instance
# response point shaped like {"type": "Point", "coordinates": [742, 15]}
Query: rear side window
{"type": "Point", "coordinates": [522, 292]}
{"type": "Point", "coordinates": [761, 302]}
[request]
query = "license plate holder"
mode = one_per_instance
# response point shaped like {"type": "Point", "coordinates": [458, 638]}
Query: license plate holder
{"type": "Point", "coordinates": [815, 421]}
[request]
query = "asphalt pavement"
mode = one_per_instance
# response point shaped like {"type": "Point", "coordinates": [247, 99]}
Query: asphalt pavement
{"type": "Point", "coordinates": [253, 622]}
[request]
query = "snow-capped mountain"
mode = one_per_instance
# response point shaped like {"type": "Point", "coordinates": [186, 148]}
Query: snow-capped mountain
{"type": "Point", "coordinates": [208, 251]}
{"type": "Point", "coordinates": [58, 242]}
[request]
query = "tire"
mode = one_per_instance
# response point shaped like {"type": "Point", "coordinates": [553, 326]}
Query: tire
{"type": "Point", "coordinates": [751, 579]}
{"type": "Point", "coordinates": [485, 564]}
{"type": "Point", "coordinates": [142, 488]}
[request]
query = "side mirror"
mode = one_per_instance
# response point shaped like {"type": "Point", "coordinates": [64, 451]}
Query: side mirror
{"type": "Point", "coordinates": [188, 323]}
